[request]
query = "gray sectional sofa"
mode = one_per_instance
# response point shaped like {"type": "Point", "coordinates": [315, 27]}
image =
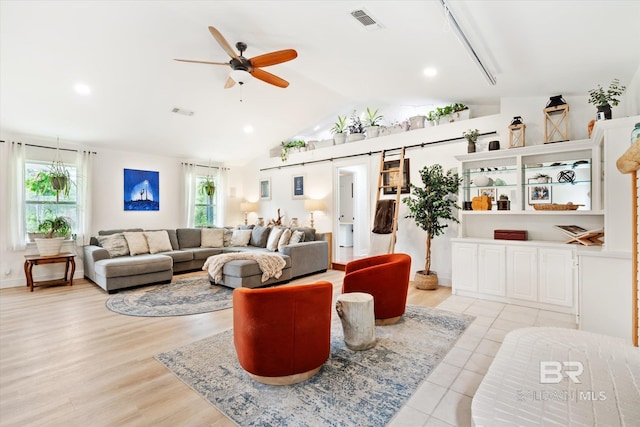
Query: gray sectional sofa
{"type": "Point", "coordinates": [124, 271]}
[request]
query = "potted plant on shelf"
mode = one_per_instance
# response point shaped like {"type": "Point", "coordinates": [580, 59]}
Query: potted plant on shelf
{"type": "Point", "coordinates": [372, 123]}
{"type": "Point", "coordinates": [54, 230]}
{"type": "Point", "coordinates": [431, 207]}
{"type": "Point", "coordinates": [356, 129]}
{"type": "Point", "coordinates": [338, 130]}
{"type": "Point", "coordinates": [432, 117]}
{"type": "Point", "coordinates": [288, 146]}
{"type": "Point", "coordinates": [604, 100]}
{"type": "Point", "coordinates": [471, 136]}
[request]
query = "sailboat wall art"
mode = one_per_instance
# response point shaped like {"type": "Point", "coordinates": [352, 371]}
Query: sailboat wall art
{"type": "Point", "coordinates": [141, 190]}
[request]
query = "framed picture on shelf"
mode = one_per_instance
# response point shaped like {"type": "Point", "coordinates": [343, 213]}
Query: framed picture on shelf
{"type": "Point", "coordinates": [265, 189]}
{"type": "Point", "coordinates": [488, 191]}
{"type": "Point", "coordinates": [538, 193]}
{"type": "Point", "coordinates": [297, 187]}
{"type": "Point", "coordinates": [391, 178]}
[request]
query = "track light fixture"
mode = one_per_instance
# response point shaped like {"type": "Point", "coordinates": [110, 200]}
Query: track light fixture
{"type": "Point", "coordinates": [466, 43]}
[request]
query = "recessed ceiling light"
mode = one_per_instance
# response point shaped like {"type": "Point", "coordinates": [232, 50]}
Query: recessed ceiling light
{"type": "Point", "coordinates": [82, 89]}
{"type": "Point", "coordinates": [430, 72]}
{"type": "Point", "coordinates": [248, 129]}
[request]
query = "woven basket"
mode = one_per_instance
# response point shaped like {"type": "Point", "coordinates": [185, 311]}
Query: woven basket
{"type": "Point", "coordinates": [556, 207]}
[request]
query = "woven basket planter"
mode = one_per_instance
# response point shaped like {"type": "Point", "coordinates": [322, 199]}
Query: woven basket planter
{"type": "Point", "coordinates": [426, 281]}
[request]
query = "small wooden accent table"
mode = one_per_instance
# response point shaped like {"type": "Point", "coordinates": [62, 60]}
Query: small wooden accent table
{"type": "Point", "coordinates": [31, 260]}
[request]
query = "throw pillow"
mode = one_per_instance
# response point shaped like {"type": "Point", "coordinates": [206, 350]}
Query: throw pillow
{"type": "Point", "coordinates": [274, 237]}
{"type": "Point", "coordinates": [296, 237]}
{"type": "Point", "coordinates": [212, 238]}
{"type": "Point", "coordinates": [137, 243]}
{"type": "Point", "coordinates": [115, 244]}
{"type": "Point", "coordinates": [228, 232]}
{"type": "Point", "coordinates": [284, 239]}
{"type": "Point", "coordinates": [240, 237]}
{"type": "Point", "coordinates": [259, 237]}
{"type": "Point", "coordinates": [158, 241]}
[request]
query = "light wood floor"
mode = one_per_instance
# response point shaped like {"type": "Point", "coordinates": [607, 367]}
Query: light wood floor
{"type": "Point", "coordinates": [66, 360]}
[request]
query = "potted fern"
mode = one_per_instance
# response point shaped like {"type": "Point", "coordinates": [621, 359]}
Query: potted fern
{"type": "Point", "coordinates": [431, 207]}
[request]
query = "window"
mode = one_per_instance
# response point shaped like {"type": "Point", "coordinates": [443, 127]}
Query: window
{"type": "Point", "coordinates": [42, 202]}
{"type": "Point", "coordinates": [205, 209]}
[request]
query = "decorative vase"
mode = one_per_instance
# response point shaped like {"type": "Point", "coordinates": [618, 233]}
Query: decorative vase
{"type": "Point", "coordinates": [49, 247]}
{"type": "Point", "coordinates": [471, 147]}
{"type": "Point", "coordinates": [339, 138]}
{"type": "Point", "coordinates": [426, 281]}
{"type": "Point", "coordinates": [604, 112]}
{"type": "Point", "coordinates": [260, 222]}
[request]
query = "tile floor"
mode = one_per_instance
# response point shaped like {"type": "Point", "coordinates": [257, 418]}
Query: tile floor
{"type": "Point", "coordinates": [444, 399]}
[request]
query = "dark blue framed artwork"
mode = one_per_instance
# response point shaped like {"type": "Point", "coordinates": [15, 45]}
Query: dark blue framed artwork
{"type": "Point", "coordinates": [141, 190]}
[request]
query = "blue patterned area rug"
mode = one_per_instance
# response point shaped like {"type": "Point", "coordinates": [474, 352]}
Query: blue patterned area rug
{"type": "Point", "coordinates": [184, 295]}
{"type": "Point", "coordinates": [353, 388]}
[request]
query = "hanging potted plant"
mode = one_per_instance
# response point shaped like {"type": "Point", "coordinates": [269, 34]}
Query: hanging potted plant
{"type": "Point", "coordinates": [372, 123]}
{"type": "Point", "coordinates": [431, 207]}
{"type": "Point", "coordinates": [207, 187]}
{"type": "Point", "coordinates": [338, 130]}
{"type": "Point", "coordinates": [55, 180]}
{"type": "Point", "coordinates": [604, 100]}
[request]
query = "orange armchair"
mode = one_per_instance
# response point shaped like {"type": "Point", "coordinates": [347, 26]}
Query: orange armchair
{"type": "Point", "coordinates": [386, 277]}
{"type": "Point", "coordinates": [282, 335]}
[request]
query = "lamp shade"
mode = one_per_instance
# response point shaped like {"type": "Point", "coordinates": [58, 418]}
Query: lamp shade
{"type": "Point", "coordinates": [248, 207]}
{"type": "Point", "coordinates": [313, 205]}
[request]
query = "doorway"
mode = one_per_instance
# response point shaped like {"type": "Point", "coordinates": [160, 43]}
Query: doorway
{"type": "Point", "coordinates": [352, 213]}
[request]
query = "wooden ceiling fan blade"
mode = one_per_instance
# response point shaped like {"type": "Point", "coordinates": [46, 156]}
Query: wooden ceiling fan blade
{"type": "Point", "coordinates": [202, 62]}
{"type": "Point", "coordinates": [273, 58]}
{"type": "Point", "coordinates": [230, 82]}
{"type": "Point", "coordinates": [223, 43]}
{"type": "Point", "coordinates": [269, 78]}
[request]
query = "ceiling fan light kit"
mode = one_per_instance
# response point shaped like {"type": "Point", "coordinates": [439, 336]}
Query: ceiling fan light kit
{"type": "Point", "coordinates": [242, 67]}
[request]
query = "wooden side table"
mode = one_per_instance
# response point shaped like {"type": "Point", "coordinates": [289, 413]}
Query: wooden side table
{"type": "Point", "coordinates": [31, 260]}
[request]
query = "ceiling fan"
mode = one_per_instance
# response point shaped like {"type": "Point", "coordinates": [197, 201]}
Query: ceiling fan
{"type": "Point", "coordinates": [253, 65]}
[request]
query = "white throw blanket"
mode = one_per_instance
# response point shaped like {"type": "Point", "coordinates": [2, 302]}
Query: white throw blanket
{"type": "Point", "coordinates": [270, 264]}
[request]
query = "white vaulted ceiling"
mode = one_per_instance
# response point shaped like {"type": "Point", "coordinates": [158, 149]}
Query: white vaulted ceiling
{"type": "Point", "coordinates": [124, 50]}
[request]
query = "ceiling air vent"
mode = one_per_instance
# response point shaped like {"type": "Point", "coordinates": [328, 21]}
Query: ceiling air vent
{"type": "Point", "coordinates": [368, 21]}
{"type": "Point", "coordinates": [182, 111]}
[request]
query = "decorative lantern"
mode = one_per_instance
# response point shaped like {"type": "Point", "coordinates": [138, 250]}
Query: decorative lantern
{"type": "Point", "coordinates": [556, 118]}
{"type": "Point", "coordinates": [516, 132]}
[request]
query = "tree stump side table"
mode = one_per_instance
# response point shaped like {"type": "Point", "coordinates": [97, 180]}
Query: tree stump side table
{"type": "Point", "coordinates": [355, 310]}
{"type": "Point", "coordinates": [31, 260]}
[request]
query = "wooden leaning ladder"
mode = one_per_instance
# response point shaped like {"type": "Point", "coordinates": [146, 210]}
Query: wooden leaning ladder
{"type": "Point", "coordinates": [397, 184]}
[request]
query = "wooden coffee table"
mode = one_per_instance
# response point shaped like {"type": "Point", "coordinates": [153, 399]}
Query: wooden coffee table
{"type": "Point", "coordinates": [31, 260]}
